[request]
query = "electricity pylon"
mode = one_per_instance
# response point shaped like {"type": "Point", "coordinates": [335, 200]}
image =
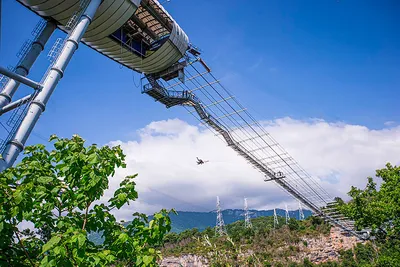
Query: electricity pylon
{"type": "Point", "coordinates": [247, 222]}
{"type": "Point", "coordinates": [301, 214]}
{"type": "Point", "coordinates": [276, 223]}
{"type": "Point", "coordinates": [287, 216]}
{"type": "Point", "coordinates": [220, 226]}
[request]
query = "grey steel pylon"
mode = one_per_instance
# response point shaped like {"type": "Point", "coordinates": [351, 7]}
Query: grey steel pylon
{"type": "Point", "coordinates": [276, 223]}
{"type": "Point", "coordinates": [247, 222]}
{"type": "Point", "coordinates": [41, 33]}
{"type": "Point", "coordinates": [287, 216]}
{"type": "Point", "coordinates": [38, 105]}
{"type": "Point", "coordinates": [220, 225]}
{"type": "Point", "coordinates": [301, 214]}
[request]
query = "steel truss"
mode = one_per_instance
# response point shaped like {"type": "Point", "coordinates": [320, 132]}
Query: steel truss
{"type": "Point", "coordinates": [221, 112]}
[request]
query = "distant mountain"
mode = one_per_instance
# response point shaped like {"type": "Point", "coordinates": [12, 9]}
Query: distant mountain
{"type": "Point", "coordinates": [201, 220]}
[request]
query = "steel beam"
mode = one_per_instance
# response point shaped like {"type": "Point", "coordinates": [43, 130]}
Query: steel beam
{"type": "Point", "coordinates": [15, 104]}
{"type": "Point", "coordinates": [20, 79]}
{"type": "Point", "coordinates": [38, 105]}
{"type": "Point", "coordinates": [26, 63]}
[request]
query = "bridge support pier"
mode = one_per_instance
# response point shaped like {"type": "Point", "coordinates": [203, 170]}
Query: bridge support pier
{"type": "Point", "coordinates": [26, 63]}
{"type": "Point", "coordinates": [38, 105]}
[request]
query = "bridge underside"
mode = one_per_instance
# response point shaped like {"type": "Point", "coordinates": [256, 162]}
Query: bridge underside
{"type": "Point", "coordinates": [204, 97]}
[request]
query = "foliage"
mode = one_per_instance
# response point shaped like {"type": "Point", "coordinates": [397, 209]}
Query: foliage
{"type": "Point", "coordinates": [57, 192]}
{"type": "Point", "coordinates": [293, 224]}
{"type": "Point", "coordinates": [378, 209]}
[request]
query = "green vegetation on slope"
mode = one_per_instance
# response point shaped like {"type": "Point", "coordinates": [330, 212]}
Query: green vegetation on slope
{"type": "Point", "coordinates": [267, 245]}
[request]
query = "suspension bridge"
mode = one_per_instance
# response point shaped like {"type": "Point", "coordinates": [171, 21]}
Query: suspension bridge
{"type": "Point", "coordinates": [142, 36]}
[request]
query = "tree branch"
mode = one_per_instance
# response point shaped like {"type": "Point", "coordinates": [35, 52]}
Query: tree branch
{"type": "Point", "coordinates": [86, 213]}
{"type": "Point", "coordinates": [23, 248]}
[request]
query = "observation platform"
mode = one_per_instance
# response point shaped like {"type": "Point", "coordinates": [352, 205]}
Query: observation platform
{"type": "Point", "coordinates": [139, 34]}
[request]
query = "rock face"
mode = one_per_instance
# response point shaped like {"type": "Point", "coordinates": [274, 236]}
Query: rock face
{"type": "Point", "coordinates": [325, 248]}
{"type": "Point", "coordinates": [184, 261]}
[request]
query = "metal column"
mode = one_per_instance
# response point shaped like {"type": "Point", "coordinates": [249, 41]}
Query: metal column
{"type": "Point", "coordinates": [16, 145]}
{"type": "Point", "coordinates": [27, 62]}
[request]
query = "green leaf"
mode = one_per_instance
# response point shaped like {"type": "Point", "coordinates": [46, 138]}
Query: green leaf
{"type": "Point", "coordinates": [147, 260]}
{"type": "Point", "coordinates": [81, 240]}
{"type": "Point", "coordinates": [122, 238]}
{"type": "Point", "coordinates": [122, 197]}
{"type": "Point", "coordinates": [18, 196]}
{"type": "Point", "coordinates": [52, 242]}
{"type": "Point", "coordinates": [53, 137]}
{"type": "Point", "coordinates": [60, 251]}
{"type": "Point", "coordinates": [45, 179]}
{"type": "Point", "coordinates": [93, 158]}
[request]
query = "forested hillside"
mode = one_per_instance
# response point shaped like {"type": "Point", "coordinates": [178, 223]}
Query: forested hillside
{"type": "Point", "coordinates": [298, 243]}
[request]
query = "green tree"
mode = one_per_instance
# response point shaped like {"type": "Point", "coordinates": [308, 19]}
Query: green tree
{"type": "Point", "coordinates": [58, 192]}
{"type": "Point", "coordinates": [378, 209]}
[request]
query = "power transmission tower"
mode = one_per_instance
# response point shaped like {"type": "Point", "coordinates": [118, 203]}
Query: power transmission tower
{"type": "Point", "coordinates": [247, 222]}
{"type": "Point", "coordinates": [220, 226]}
{"type": "Point", "coordinates": [276, 223]}
{"type": "Point", "coordinates": [287, 216]}
{"type": "Point", "coordinates": [301, 214]}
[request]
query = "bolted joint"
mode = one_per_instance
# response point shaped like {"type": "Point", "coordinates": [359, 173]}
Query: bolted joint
{"type": "Point", "coordinates": [21, 66]}
{"type": "Point", "coordinates": [57, 69]}
{"type": "Point", "coordinates": [38, 43]}
{"type": "Point", "coordinates": [88, 17]}
{"type": "Point", "coordinates": [6, 96]}
{"type": "Point", "coordinates": [40, 105]}
{"type": "Point", "coordinates": [76, 44]}
{"type": "Point", "coordinates": [16, 143]}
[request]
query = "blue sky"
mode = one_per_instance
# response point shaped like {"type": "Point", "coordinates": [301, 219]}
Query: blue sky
{"type": "Point", "coordinates": [333, 60]}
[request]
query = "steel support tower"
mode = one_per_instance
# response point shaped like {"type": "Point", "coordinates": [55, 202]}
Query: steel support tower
{"type": "Point", "coordinates": [301, 214]}
{"type": "Point", "coordinates": [276, 222]}
{"type": "Point", "coordinates": [247, 221]}
{"type": "Point", "coordinates": [287, 216]}
{"type": "Point", "coordinates": [44, 30]}
{"type": "Point", "coordinates": [42, 96]}
{"type": "Point", "coordinates": [220, 225]}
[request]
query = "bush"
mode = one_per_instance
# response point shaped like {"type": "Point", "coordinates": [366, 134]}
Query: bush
{"type": "Point", "coordinates": [364, 253]}
{"type": "Point", "coordinates": [293, 224]}
{"type": "Point", "coordinates": [347, 258]}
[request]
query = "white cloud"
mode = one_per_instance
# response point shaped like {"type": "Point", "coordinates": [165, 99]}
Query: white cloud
{"type": "Point", "coordinates": [340, 154]}
{"type": "Point", "coordinates": [389, 123]}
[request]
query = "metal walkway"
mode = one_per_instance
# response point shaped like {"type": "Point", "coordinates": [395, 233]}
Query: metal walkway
{"type": "Point", "coordinates": [259, 149]}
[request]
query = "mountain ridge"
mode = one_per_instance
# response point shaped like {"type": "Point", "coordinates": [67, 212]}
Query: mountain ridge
{"type": "Point", "coordinates": [201, 220]}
